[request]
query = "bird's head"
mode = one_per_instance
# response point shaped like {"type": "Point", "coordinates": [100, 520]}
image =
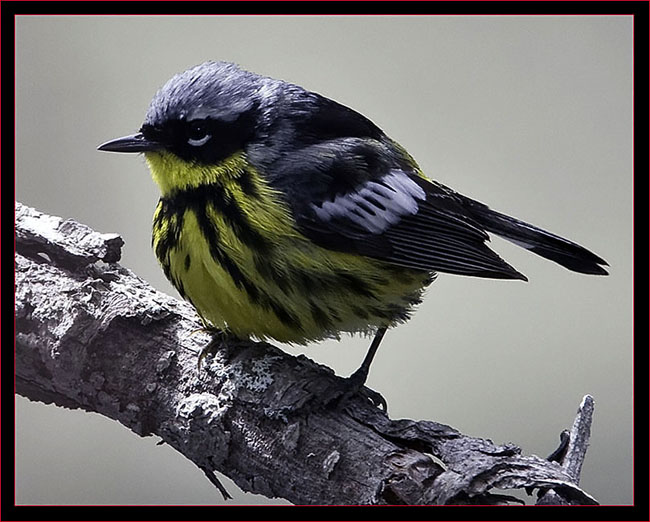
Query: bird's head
{"type": "Point", "coordinates": [197, 121]}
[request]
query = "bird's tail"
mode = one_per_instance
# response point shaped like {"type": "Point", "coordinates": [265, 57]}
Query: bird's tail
{"type": "Point", "coordinates": [543, 243]}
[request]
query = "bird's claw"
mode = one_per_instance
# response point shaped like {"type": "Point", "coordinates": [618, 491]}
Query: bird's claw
{"type": "Point", "coordinates": [339, 397]}
{"type": "Point", "coordinates": [213, 346]}
{"type": "Point", "coordinates": [376, 398]}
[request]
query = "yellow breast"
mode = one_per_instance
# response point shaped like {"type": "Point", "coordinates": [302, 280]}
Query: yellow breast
{"type": "Point", "coordinates": [227, 242]}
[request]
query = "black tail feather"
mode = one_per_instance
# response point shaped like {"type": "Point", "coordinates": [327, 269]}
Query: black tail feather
{"type": "Point", "coordinates": [543, 243]}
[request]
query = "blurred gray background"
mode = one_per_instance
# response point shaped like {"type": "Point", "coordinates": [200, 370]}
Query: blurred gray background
{"type": "Point", "coordinates": [531, 115]}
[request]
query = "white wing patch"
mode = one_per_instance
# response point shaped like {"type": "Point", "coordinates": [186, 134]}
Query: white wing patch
{"type": "Point", "coordinates": [375, 206]}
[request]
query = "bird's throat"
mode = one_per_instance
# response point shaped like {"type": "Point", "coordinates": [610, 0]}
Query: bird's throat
{"type": "Point", "coordinates": [173, 174]}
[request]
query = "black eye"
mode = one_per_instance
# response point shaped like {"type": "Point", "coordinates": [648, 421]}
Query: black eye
{"type": "Point", "coordinates": [197, 133]}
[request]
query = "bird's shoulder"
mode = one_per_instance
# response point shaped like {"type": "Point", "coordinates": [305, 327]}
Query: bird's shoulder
{"type": "Point", "coordinates": [351, 188]}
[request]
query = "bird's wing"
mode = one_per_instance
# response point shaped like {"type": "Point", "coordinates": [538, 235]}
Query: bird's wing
{"type": "Point", "coordinates": [361, 195]}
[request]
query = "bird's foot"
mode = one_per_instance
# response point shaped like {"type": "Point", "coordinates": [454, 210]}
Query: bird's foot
{"type": "Point", "coordinates": [215, 344]}
{"type": "Point", "coordinates": [339, 395]}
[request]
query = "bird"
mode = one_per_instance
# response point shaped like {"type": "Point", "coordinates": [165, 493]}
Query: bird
{"type": "Point", "coordinates": [287, 216]}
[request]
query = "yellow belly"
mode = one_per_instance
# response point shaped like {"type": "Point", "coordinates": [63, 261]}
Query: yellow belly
{"type": "Point", "coordinates": [302, 292]}
{"type": "Point", "coordinates": [228, 244]}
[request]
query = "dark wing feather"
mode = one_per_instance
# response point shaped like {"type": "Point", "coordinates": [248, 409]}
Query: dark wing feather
{"type": "Point", "coordinates": [359, 195]}
{"type": "Point", "coordinates": [354, 190]}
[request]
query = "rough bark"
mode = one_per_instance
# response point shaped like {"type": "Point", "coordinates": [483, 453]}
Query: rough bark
{"type": "Point", "coordinates": [92, 335]}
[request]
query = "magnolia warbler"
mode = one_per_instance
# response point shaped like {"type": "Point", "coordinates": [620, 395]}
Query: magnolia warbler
{"type": "Point", "coordinates": [286, 215]}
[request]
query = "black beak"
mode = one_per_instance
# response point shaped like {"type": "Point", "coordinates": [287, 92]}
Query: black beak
{"type": "Point", "coordinates": [133, 143]}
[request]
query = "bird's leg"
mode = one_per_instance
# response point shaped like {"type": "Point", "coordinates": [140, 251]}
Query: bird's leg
{"type": "Point", "coordinates": [361, 374]}
{"type": "Point", "coordinates": [355, 383]}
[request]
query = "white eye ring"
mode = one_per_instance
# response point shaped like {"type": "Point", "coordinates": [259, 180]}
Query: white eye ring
{"type": "Point", "coordinates": [198, 143]}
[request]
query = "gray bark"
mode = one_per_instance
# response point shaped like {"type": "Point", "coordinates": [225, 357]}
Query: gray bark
{"type": "Point", "coordinates": [92, 335]}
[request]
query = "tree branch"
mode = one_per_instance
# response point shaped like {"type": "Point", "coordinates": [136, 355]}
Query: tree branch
{"type": "Point", "coordinates": [93, 335]}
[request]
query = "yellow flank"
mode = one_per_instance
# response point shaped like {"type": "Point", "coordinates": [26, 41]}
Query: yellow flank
{"type": "Point", "coordinates": [227, 242]}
